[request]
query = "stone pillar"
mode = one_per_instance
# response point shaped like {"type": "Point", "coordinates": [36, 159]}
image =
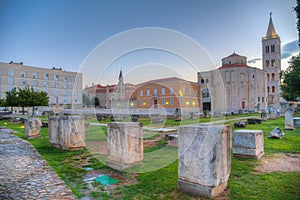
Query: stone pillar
{"type": "Point", "coordinates": [248, 143]}
{"type": "Point", "coordinates": [204, 159]}
{"type": "Point", "coordinates": [33, 128]}
{"type": "Point", "coordinates": [72, 130]}
{"type": "Point", "coordinates": [288, 118]}
{"type": "Point", "coordinates": [54, 132]}
{"type": "Point", "coordinates": [125, 144]}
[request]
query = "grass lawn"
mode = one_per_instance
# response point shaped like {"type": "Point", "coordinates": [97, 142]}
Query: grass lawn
{"type": "Point", "coordinates": [244, 182]}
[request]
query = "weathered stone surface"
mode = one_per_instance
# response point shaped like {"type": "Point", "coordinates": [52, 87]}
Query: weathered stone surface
{"type": "Point", "coordinates": [240, 124]}
{"type": "Point", "coordinates": [296, 121]}
{"type": "Point", "coordinates": [125, 144]}
{"type": "Point", "coordinates": [276, 133]}
{"type": "Point", "coordinates": [203, 159]}
{"type": "Point", "coordinates": [288, 118]}
{"type": "Point", "coordinates": [54, 131]}
{"type": "Point", "coordinates": [172, 139]}
{"type": "Point", "coordinates": [248, 143]}
{"type": "Point", "coordinates": [67, 131]}
{"type": "Point", "coordinates": [254, 121]}
{"type": "Point", "coordinates": [33, 127]}
{"type": "Point", "coordinates": [25, 174]}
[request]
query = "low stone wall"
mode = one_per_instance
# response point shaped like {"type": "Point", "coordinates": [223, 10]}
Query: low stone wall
{"type": "Point", "coordinates": [203, 159]}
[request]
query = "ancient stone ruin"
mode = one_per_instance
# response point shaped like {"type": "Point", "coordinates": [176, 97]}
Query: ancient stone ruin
{"type": "Point", "coordinates": [33, 128]}
{"type": "Point", "coordinates": [67, 132]}
{"type": "Point", "coordinates": [276, 133]}
{"type": "Point", "coordinates": [203, 159]}
{"type": "Point", "coordinates": [125, 144]}
{"type": "Point", "coordinates": [288, 118]}
{"type": "Point", "coordinates": [248, 143]}
{"type": "Point", "coordinates": [240, 124]}
{"type": "Point", "coordinates": [296, 121]}
{"type": "Point", "coordinates": [171, 140]}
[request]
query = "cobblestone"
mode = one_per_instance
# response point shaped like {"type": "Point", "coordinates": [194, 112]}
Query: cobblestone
{"type": "Point", "coordinates": [24, 174]}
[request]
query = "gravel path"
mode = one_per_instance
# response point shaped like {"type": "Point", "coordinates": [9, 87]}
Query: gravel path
{"type": "Point", "coordinates": [24, 174]}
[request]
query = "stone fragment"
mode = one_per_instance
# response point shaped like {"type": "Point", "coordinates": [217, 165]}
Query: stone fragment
{"type": "Point", "coordinates": [240, 124]}
{"type": "Point", "coordinates": [296, 121]}
{"type": "Point", "coordinates": [288, 118]}
{"type": "Point", "coordinates": [248, 143]}
{"type": "Point", "coordinates": [125, 144]}
{"type": "Point", "coordinates": [33, 128]}
{"type": "Point", "coordinates": [203, 159]}
{"type": "Point", "coordinates": [276, 133]}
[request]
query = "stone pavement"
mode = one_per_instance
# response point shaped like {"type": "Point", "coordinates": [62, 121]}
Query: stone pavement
{"type": "Point", "coordinates": [24, 174]}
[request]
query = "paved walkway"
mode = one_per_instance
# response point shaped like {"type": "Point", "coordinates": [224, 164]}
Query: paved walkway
{"type": "Point", "coordinates": [24, 174]}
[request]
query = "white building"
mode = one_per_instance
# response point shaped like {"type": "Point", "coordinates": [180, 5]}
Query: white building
{"type": "Point", "coordinates": [64, 88]}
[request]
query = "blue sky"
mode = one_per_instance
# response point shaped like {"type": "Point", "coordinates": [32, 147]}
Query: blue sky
{"type": "Point", "coordinates": [63, 33]}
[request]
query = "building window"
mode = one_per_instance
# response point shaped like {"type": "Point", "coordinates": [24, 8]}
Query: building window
{"type": "Point", "coordinates": [268, 89]}
{"type": "Point", "coordinates": [202, 80]}
{"type": "Point", "coordinates": [11, 81]}
{"type": "Point", "coordinates": [190, 91]}
{"type": "Point", "coordinates": [56, 92]}
{"type": "Point", "coordinates": [262, 99]}
{"type": "Point", "coordinates": [65, 99]}
{"type": "Point", "coordinates": [23, 82]}
{"type": "Point", "coordinates": [155, 91]}
{"type": "Point", "coordinates": [273, 77]}
{"type": "Point", "coordinates": [65, 79]}
{"type": "Point", "coordinates": [46, 90]}
{"type": "Point", "coordinates": [46, 84]}
{"type": "Point", "coordinates": [182, 101]}
{"type": "Point", "coordinates": [34, 83]}
{"type": "Point", "coordinates": [141, 102]}
{"type": "Point", "coordinates": [148, 92]}
{"type": "Point", "coordinates": [273, 89]}
{"type": "Point", "coordinates": [267, 63]}
{"type": "Point", "coordinates": [171, 90]}
{"type": "Point", "coordinates": [56, 77]}
{"type": "Point", "coordinates": [163, 91]}
{"type": "Point", "coordinates": [141, 92]}
{"type": "Point", "coordinates": [66, 92]}
{"type": "Point", "coordinates": [183, 90]}
{"type": "Point", "coordinates": [23, 74]}
{"type": "Point", "coordinates": [267, 49]}
{"type": "Point", "coordinates": [65, 85]}
{"type": "Point", "coordinates": [258, 99]}
{"type": "Point", "coordinates": [46, 76]}
{"type": "Point", "coordinates": [268, 77]}
{"type": "Point", "coordinates": [34, 75]}
{"type": "Point", "coordinates": [272, 63]}
{"type": "Point", "coordinates": [207, 81]}
{"type": "Point", "coordinates": [148, 102]}
{"type": "Point", "coordinates": [171, 101]}
{"type": "Point", "coordinates": [272, 48]}
{"type": "Point", "coordinates": [163, 101]}
{"type": "Point", "coordinates": [56, 85]}
{"type": "Point", "coordinates": [11, 72]}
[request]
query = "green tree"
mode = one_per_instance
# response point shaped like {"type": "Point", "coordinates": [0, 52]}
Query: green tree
{"type": "Point", "coordinates": [297, 10]}
{"type": "Point", "coordinates": [291, 80]}
{"type": "Point", "coordinates": [11, 98]}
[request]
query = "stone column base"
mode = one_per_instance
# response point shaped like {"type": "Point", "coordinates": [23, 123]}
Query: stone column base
{"type": "Point", "coordinates": [121, 166]}
{"type": "Point", "coordinates": [197, 190]}
{"type": "Point", "coordinates": [33, 136]}
{"type": "Point", "coordinates": [289, 128]}
{"type": "Point", "coordinates": [258, 156]}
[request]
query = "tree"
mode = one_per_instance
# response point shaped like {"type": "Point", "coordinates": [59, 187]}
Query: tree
{"type": "Point", "coordinates": [2, 103]}
{"type": "Point", "coordinates": [11, 98]}
{"type": "Point", "coordinates": [291, 80]}
{"type": "Point", "coordinates": [297, 10]}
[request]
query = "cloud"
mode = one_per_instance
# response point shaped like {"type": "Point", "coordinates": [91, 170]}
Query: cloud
{"type": "Point", "coordinates": [254, 60]}
{"type": "Point", "coordinates": [289, 49]}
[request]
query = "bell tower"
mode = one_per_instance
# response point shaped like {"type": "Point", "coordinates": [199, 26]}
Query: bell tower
{"type": "Point", "coordinates": [271, 61]}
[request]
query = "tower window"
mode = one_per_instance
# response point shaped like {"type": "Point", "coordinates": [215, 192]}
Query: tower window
{"type": "Point", "coordinates": [272, 48]}
{"type": "Point", "coordinates": [268, 77]}
{"type": "Point", "coordinates": [272, 62]}
{"type": "Point", "coordinates": [273, 77]}
{"type": "Point", "coordinates": [268, 89]}
{"type": "Point", "coordinates": [267, 49]}
{"type": "Point", "coordinates": [273, 89]}
{"type": "Point", "coordinates": [202, 80]}
{"type": "Point", "coordinates": [267, 63]}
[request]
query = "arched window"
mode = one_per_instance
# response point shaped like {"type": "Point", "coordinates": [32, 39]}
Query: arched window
{"type": "Point", "coordinates": [267, 63]}
{"type": "Point", "coordinates": [273, 77]}
{"type": "Point", "coordinates": [268, 89]}
{"type": "Point", "coordinates": [268, 76]}
{"type": "Point", "coordinates": [273, 89]}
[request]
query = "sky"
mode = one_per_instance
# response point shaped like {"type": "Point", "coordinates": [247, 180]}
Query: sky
{"type": "Point", "coordinates": [146, 39]}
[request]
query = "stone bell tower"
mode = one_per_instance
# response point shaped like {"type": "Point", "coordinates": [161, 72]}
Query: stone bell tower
{"type": "Point", "coordinates": [271, 59]}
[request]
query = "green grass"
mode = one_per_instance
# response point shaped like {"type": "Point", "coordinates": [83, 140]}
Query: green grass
{"type": "Point", "coordinates": [244, 182]}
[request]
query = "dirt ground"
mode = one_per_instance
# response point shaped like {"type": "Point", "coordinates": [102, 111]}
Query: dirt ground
{"type": "Point", "coordinates": [279, 162]}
